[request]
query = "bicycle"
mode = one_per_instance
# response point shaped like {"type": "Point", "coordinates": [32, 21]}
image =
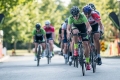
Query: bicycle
{"type": "Point", "coordinates": [39, 52]}
{"type": "Point", "coordinates": [81, 58]}
{"type": "Point", "coordinates": [93, 54]}
{"type": "Point", "coordinates": [48, 52]}
{"type": "Point", "coordinates": [68, 51]}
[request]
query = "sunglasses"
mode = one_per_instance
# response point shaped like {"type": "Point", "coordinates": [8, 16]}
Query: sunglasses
{"type": "Point", "coordinates": [76, 15]}
{"type": "Point", "coordinates": [38, 28]}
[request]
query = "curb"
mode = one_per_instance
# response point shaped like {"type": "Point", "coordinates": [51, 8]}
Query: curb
{"type": "Point", "coordinates": [4, 58]}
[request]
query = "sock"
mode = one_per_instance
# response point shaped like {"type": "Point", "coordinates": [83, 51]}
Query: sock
{"type": "Point", "coordinates": [87, 59]}
{"type": "Point", "coordinates": [75, 46]}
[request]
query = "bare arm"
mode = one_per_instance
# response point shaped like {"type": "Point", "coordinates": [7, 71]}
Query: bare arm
{"type": "Point", "coordinates": [62, 34]}
{"type": "Point", "coordinates": [88, 26]}
{"type": "Point", "coordinates": [68, 30]}
{"type": "Point", "coordinates": [101, 26]}
{"type": "Point", "coordinates": [53, 35]}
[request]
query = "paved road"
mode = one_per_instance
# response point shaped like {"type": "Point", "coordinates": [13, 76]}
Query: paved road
{"type": "Point", "coordinates": [24, 68]}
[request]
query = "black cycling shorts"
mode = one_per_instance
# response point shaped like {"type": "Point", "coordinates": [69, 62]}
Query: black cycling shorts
{"type": "Point", "coordinates": [49, 36]}
{"type": "Point", "coordinates": [95, 27]}
{"type": "Point", "coordinates": [82, 29]}
{"type": "Point", "coordinates": [38, 38]}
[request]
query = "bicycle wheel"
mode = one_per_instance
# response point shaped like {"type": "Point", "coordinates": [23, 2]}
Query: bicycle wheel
{"type": "Point", "coordinates": [82, 60]}
{"type": "Point", "coordinates": [74, 60]}
{"type": "Point", "coordinates": [48, 54]}
{"type": "Point", "coordinates": [38, 56]}
{"type": "Point", "coordinates": [93, 62]}
{"type": "Point", "coordinates": [77, 61]}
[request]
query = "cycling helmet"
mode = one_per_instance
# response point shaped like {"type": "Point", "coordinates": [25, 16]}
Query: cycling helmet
{"type": "Point", "coordinates": [66, 20]}
{"type": "Point", "coordinates": [74, 10]}
{"type": "Point", "coordinates": [38, 26]}
{"type": "Point", "coordinates": [92, 6]}
{"type": "Point", "coordinates": [47, 22]}
{"type": "Point", "coordinates": [87, 9]}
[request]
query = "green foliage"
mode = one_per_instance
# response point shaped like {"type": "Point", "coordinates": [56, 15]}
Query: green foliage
{"type": "Point", "coordinates": [22, 15]}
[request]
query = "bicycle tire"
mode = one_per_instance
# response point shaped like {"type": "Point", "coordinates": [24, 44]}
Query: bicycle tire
{"type": "Point", "coordinates": [38, 56]}
{"type": "Point", "coordinates": [77, 61]}
{"type": "Point", "coordinates": [82, 60]}
{"type": "Point", "coordinates": [48, 54]}
{"type": "Point", "coordinates": [93, 62]}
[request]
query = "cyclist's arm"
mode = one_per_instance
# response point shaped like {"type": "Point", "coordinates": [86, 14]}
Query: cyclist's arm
{"type": "Point", "coordinates": [101, 25]}
{"type": "Point", "coordinates": [88, 26]}
{"type": "Point", "coordinates": [62, 33]}
{"type": "Point", "coordinates": [33, 33]}
{"type": "Point", "coordinates": [44, 34]}
{"type": "Point", "coordinates": [68, 29]}
{"type": "Point", "coordinates": [53, 33]}
{"type": "Point", "coordinates": [69, 25]}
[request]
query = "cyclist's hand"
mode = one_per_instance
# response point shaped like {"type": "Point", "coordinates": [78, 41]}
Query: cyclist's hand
{"type": "Point", "coordinates": [101, 32]}
{"type": "Point", "coordinates": [88, 32]}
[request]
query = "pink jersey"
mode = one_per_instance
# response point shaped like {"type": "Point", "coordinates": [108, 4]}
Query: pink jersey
{"type": "Point", "coordinates": [94, 18]}
{"type": "Point", "coordinates": [49, 29]}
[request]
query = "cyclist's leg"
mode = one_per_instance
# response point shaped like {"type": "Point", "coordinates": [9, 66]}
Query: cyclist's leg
{"type": "Point", "coordinates": [51, 47]}
{"type": "Point", "coordinates": [86, 49]}
{"type": "Point", "coordinates": [65, 48]}
{"type": "Point", "coordinates": [36, 45]}
{"type": "Point", "coordinates": [96, 41]}
{"type": "Point", "coordinates": [75, 40]}
{"type": "Point", "coordinates": [71, 50]}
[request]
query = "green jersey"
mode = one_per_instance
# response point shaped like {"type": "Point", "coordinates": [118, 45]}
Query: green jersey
{"type": "Point", "coordinates": [82, 19]}
{"type": "Point", "coordinates": [40, 33]}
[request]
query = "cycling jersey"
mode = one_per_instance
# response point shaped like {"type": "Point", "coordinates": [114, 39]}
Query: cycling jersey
{"type": "Point", "coordinates": [49, 31]}
{"type": "Point", "coordinates": [42, 32]}
{"type": "Point", "coordinates": [94, 18]}
{"type": "Point", "coordinates": [82, 19]}
{"type": "Point", "coordinates": [64, 27]}
{"type": "Point", "coordinates": [79, 24]}
{"type": "Point", "coordinates": [38, 35]}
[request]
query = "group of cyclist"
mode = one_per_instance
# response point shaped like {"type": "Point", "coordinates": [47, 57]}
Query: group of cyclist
{"type": "Point", "coordinates": [45, 33]}
{"type": "Point", "coordinates": [85, 22]}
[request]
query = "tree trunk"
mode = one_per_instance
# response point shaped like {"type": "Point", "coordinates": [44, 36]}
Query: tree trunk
{"type": "Point", "coordinates": [29, 47]}
{"type": "Point", "coordinates": [15, 47]}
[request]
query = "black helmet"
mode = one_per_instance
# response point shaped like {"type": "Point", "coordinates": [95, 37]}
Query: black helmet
{"type": "Point", "coordinates": [66, 20]}
{"type": "Point", "coordinates": [92, 6]}
{"type": "Point", "coordinates": [74, 10]}
{"type": "Point", "coordinates": [38, 26]}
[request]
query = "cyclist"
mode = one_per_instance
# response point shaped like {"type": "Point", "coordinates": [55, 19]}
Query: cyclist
{"type": "Point", "coordinates": [93, 7]}
{"type": "Point", "coordinates": [39, 34]}
{"type": "Point", "coordinates": [79, 23]}
{"type": "Point", "coordinates": [64, 38]}
{"type": "Point", "coordinates": [60, 39]}
{"type": "Point", "coordinates": [49, 35]}
{"type": "Point", "coordinates": [95, 21]}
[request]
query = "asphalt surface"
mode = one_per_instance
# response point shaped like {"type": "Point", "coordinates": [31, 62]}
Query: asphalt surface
{"type": "Point", "coordinates": [24, 68]}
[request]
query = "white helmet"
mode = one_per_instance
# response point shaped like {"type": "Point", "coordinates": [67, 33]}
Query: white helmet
{"type": "Point", "coordinates": [47, 22]}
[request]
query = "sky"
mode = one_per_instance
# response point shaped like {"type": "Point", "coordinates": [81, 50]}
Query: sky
{"type": "Point", "coordinates": [66, 2]}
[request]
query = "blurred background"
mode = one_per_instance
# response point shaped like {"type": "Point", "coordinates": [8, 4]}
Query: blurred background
{"type": "Point", "coordinates": [18, 19]}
